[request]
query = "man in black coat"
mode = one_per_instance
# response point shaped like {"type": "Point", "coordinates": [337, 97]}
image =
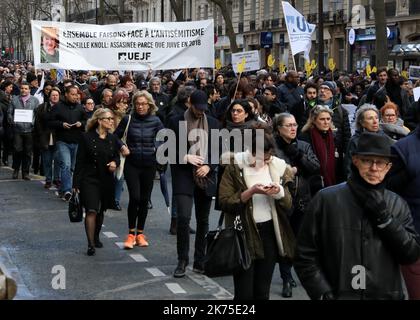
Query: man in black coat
{"type": "Point", "coordinates": [161, 99]}
{"type": "Point", "coordinates": [355, 235]}
{"type": "Point", "coordinates": [68, 119]}
{"type": "Point", "coordinates": [392, 89]}
{"type": "Point", "coordinates": [193, 179]}
{"type": "Point", "coordinates": [290, 93]}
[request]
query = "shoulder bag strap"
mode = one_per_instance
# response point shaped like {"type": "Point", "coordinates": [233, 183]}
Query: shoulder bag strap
{"type": "Point", "coordinates": [124, 138]}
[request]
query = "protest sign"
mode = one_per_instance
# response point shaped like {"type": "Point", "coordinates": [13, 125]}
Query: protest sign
{"type": "Point", "coordinates": [252, 59]}
{"type": "Point", "coordinates": [22, 115]}
{"type": "Point", "coordinates": [124, 46]}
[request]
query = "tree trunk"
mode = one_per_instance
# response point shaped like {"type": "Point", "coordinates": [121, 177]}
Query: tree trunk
{"type": "Point", "coordinates": [178, 9]}
{"type": "Point", "coordinates": [381, 46]}
{"type": "Point", "coordinates": [225, 7]}
{"type": "Point", "coordinates": [320, 36]}
{"type": "Point", "coordinates": [101, 12]}
{"type": "Point", "coordinates": [121, 10]}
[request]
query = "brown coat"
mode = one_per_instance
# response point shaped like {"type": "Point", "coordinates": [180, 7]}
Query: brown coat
{"type": "Point", "coordinates": [231, 187]}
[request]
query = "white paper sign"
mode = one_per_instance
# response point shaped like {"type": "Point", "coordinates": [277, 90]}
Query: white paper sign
{"type": "Point", "coordinates": [22, 115]}
{"type": "Point", "coordinates": [416, 92]}
{"type": "Point", "coordinates": [252, 60]}
{"type": "Point", "coordinates": [123, 46]}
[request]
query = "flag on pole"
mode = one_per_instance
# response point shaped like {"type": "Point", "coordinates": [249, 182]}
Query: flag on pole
{"type": "Point", "coordinates": [299, 30]}
{"type": "Point", "coordinates": [61, 73]}
{"type": "Point", "coordinates": [38, 94]}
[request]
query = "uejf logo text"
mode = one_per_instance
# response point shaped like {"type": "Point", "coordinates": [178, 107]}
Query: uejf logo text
{"type": "Point", "coordinates": [133, 56]}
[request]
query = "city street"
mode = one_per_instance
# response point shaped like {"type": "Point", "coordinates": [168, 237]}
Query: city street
{"type": "Point", "coordinates": [38, 244]}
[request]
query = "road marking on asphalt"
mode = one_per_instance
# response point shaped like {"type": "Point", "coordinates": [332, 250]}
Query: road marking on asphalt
{"type": "Point", "coordinates": [120, 245]}
{"type": "Point", "coordinates": [110, 234]}
{"type": "Point", "coordinates": [155, 272]}
{"type": "Point", "coordinates": [175, 288]}
{"type": "Point", "coordinates": [210, 285]}
{"type": "Point", "coordinates": [138, 257]}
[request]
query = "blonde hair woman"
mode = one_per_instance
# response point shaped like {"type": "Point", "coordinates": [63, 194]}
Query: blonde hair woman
{"type": "Point", "coordinates": [140, 164]}
{"type": "Point", "coordinates": [97, 159]}
{"type": "Point", "coordinates": [318, 131]}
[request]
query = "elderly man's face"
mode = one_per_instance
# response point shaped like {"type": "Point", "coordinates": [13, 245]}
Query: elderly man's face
{"type": "Point", "coordinates": [325, 93]}
{"type": "Point", "coordinates": [372, 169]}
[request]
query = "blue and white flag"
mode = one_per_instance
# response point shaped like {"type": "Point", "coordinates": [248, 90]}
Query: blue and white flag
{"type": "Point", "coordinates": [61, 74]}
{"type": "Point", "coordinates": [299, 30]}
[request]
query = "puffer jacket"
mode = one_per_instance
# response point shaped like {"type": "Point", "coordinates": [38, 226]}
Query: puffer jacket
{"type": "Point", "coordinates": [31, 104]}
{"type": "Point", "coordinates": [141, 138]}
{"type": "Point", "coordinates": [233, 184]}
{"type": "Point", "coordinates": [336, 236]}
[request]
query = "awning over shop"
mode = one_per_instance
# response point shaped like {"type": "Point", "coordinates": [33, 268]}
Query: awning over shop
{"type": "Point", "coordinates": [406, 49]}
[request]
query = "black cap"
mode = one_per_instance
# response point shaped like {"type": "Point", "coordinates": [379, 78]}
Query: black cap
{"type": "Point", "coordinates": [199, 100]}
{"type": "Point", "coordinates": [374, 144]}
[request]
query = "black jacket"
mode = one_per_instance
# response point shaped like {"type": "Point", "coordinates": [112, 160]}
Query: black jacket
{"type": "Point", "coordinates": [182, 174]}
{"type": "Point", "coordinates": [141, 138]}
{"type": "Point", "coordinates": [70, 113]}
{"type": "Point", "coordinates": [162, 102]}
{"type": "Point", "coordinates": [305, 161]}
{"type": "Point", "coordinates": [289, 95]}
{"type": "Point", "coordinates": [342, 135]}
{"type": "Point", "coordinates": [4, 106]}
{"type": "Point", "coordinates": [1, 124]}
{"type": "Point", "coordinates": [42, 131]}
{"type": "Point", "coordinates": [91, 170]}
{"type": "Point", "coordinates": [405, 102]}
{"type": "Point", "coordinates": [336, 236]}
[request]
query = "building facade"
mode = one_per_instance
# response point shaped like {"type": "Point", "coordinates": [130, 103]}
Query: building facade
{"type": "Point", "coordinates": [260, 25]}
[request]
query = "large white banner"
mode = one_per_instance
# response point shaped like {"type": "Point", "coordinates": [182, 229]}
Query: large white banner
{"type": "Point", "coordinates": [124, 46]}
{"type": "Point", "coordinates": [252, 60]}
{"type": "Point", "coordinates": [299, 30]}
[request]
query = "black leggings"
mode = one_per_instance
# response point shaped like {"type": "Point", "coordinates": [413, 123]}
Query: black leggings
{"type": "Point", "coordinates": [254, 283]}
{"type": "Point", "coordinates": [140, 185]}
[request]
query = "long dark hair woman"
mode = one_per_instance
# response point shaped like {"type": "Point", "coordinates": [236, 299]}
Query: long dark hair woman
{"type": "Point", "coordinates": [97, 159]}
{"type": "Point", "coordinates": [239, 116]}
{"type": "Point", "coordinates": [140, 164]}
{"type": "Point", "coordinates": [300, 156]}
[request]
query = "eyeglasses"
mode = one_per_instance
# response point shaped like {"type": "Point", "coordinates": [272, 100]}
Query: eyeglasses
{"type": "Point", "coordinates": [290, 125]}
{"type": "Point", "coordinates": [109, 118]}
{"type": "Point", "coordinates": [380, 164]}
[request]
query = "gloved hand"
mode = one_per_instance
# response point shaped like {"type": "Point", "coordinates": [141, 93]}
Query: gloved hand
{"type": "Point", "coordinates": [376, 207]}
{"type": "Point", "coordinates": [293, 152]}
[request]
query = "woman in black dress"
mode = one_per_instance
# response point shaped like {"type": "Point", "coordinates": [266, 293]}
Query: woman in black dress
{"type": "Point", "coordinates": [97, 159]}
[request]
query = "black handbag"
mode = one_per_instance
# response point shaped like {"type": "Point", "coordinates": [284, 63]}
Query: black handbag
{"type": "Point", "coordinates": [226, 250]}
{"type": "Point", "coordinates": [75, 208]}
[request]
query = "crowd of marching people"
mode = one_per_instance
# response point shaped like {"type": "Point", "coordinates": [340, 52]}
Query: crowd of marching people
{"type": "Point", "coordinates": [318, 200]}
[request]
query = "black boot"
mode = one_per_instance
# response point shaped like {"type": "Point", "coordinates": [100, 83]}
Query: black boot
{"type": "Point", "coordinates": [15, 174]}
{"type": "Point", "coordinates": [91, 251]}
{"type": "Point", "coordinates": [287, 290]}
{"type": "Point", "coordinates": [172, 228]}
{"type": "Point", "coordinates": [180, 269]}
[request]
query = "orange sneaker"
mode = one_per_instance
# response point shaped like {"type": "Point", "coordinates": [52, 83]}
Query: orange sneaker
{"type": "Point", "coordinates": [130, 242]}
{"type": "Point", "coordinates": [141, 240]}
